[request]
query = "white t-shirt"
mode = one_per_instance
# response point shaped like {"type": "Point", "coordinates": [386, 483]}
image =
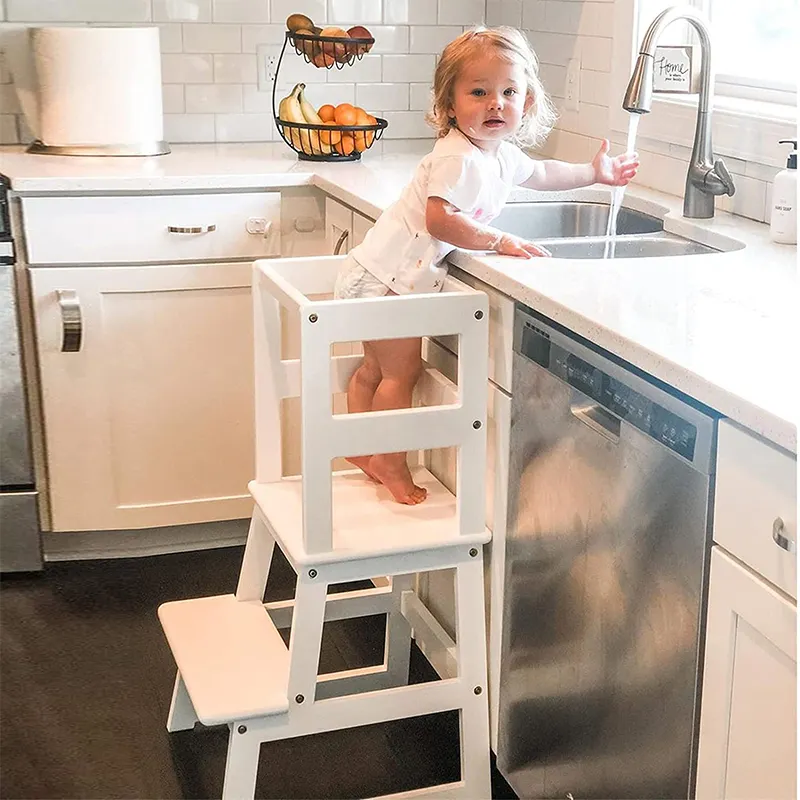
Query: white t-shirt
{"type": "Point", "coordinates": [398, 249]}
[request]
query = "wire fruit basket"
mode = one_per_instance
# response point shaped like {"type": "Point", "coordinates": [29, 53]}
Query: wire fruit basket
{"type": "Point", "coordinates": [329, 141]}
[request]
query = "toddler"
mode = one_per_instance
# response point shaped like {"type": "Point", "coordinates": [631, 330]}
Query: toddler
{"type": "Point", "coordinates": [488, 102]}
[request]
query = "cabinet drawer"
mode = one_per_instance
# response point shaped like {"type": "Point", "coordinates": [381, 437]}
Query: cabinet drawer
{"type": "Point", "coordinates": [154, 228]}
{"type": "Point", "coordinates": [756, 485]}
{"type": "Point", "coordinates": [501, 330]}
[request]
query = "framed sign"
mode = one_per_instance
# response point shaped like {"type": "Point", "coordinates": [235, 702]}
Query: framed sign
{"type": "Point", "coordinates": [676, 69]}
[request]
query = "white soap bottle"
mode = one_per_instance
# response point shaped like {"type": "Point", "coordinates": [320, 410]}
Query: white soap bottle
{"type": "Point", "coordinates": [783, 220]}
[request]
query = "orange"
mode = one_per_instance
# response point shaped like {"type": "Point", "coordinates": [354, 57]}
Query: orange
{"type": "Point", "coordinates": [370, 135]}
{"type": "Point", "coordinates": [345, 114]}
{"type": "Point", "coordinates": [326, 112]}
{"type": "Point", "coordinates": [360, 137]}
{"type": "Point", "coordinates": [330, 137]}
{"type": "Point", "coordinates": [346, 146]}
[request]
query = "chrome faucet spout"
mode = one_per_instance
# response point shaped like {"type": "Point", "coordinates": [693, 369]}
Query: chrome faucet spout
{"type": "Point", "coordinates": [706, 177]}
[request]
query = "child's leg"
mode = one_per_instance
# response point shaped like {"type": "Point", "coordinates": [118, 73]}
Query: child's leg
{"type": "Point", "coordinates": [400, 363]}
{"type": "Point", "coordinates": [360, 392]}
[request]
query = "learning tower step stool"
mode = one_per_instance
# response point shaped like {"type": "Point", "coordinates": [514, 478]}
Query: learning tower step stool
{"type": "Point", "coordinates": [337, 527]}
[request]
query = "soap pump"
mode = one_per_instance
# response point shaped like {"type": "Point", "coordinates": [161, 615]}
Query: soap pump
{"type": "Point", "coordinates": [783, 220]}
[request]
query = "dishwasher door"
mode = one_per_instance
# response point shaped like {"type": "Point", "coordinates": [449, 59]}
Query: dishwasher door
{"type": "Point", "coordinates": [607, 541]}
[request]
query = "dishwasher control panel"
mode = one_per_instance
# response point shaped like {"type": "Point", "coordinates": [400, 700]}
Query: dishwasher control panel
{"type": "Point", "coordinates": [613, 394]}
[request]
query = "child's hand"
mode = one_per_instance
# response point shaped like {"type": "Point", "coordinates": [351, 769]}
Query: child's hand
{"type": "Point", "coordinates": [508, 245]}
{"type": "Point", "coordinates": [616, 171]}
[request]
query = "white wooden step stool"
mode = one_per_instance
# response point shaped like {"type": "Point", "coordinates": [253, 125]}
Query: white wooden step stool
{"type": "Point", "coordinates": [233, 666]}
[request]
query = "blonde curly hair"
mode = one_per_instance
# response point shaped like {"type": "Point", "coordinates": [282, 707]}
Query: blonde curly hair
{"type": "Point", "coordinates": [509, 44]}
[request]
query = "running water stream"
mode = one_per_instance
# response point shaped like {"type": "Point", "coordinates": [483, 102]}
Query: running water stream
{"type": "Point", "coordinates": [617, 193]}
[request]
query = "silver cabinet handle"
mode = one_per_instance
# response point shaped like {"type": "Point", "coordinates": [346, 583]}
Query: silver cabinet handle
{"type": "Point", "coordinates": [779, 537]}
{"type": "Point", "coordinates": [71, 320]}
{"type": "Point", "coordinates": [195, 229]}
{"type": "Point", "coordinates": [340, 243]}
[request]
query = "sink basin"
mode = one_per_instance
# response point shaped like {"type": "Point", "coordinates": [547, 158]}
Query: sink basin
{"type": "Point", "coordinates": [652, 246]}
{"type": "Point", "coordinates": [559, 220]}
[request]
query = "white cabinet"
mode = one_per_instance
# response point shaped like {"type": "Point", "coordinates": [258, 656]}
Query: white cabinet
{"type": "Point", "coordinates": [150, 422]}
{"type": "Point", "coordinates": [344, 228]}
{"type": "Point", "coordinates": [748, 720]}
{"type": "Point", "coordinates": [748, 744]}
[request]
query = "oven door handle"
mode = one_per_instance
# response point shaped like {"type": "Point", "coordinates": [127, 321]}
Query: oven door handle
{"type": "Point", "coordinates": [594, 416]}
{"type": "Point", "coordinates": [71, 320]}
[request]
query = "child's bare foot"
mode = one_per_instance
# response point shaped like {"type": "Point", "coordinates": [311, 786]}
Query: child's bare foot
{"type": "Point", "coordinates": [362, 462]}
{"type": "Point", "coordinates": [392, 471]}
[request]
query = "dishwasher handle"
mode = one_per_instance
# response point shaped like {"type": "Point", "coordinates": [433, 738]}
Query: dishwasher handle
{"type": "Point", "coordinates": [594, 416]}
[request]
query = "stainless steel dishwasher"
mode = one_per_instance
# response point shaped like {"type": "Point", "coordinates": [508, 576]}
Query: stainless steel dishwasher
{"type": "Point", "coordinates": [607, 552]}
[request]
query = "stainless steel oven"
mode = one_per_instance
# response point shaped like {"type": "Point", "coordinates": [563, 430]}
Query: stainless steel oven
{"type": "Point", "coordinates": [20, 538]}
{"type": "Point", "coordinates": [610, 479]}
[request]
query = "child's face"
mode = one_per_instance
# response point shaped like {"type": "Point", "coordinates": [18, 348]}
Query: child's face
{"type": "Point", "coordinates": [489, 100]}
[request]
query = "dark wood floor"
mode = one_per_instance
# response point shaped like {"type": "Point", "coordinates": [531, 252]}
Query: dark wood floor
{"type": "Point", "coordinates": [86, 679]}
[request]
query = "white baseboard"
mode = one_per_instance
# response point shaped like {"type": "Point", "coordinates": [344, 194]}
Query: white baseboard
{"type": "Point", "coordinates": [90, 545]}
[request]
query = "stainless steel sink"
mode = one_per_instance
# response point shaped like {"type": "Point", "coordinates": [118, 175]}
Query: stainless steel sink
{"type": "Point", "coordinates": [558, 220]}
{"type": "Point", "coordinates": [648, 246]}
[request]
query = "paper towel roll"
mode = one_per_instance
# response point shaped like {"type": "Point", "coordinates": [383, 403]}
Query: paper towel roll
{"type": "Point", "coordinates": [98, 86]}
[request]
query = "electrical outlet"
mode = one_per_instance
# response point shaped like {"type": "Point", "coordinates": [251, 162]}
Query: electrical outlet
{"type": "Point", "coordinates": [267, 56]}
{"type": "Point", "coordinates": [572, 91]}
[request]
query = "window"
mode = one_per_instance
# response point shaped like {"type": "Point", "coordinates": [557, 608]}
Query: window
{"type": "Point", "coordinates": [754, 45]}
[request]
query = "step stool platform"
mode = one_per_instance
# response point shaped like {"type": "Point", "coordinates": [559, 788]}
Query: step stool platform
{"type": "Point", "coordinates": [230, 655]}
{"type": "Point", "coordinates": [367, 521]}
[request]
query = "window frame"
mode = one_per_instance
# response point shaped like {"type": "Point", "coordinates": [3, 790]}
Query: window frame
{"type": "Point", "coordinates": [743, 126]}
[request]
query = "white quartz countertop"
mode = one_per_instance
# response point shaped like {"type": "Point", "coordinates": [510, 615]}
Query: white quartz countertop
{"type": "Point", "coordinates": [721, 328]}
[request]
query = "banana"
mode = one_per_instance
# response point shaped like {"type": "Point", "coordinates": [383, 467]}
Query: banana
{"type": "Point", "coordinates": [289, 110]}
{"type": "Point", "coordinates": [311, 116]}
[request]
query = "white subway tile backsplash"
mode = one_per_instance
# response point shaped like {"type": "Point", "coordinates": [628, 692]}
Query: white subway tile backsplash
{"type": "Point", "coordinates": [215, 98]}
{"type": "Point", "coordinates": [386, 96]}
{"type": "Point", "coordinates": [172, 98]}
{"type": "Point", "coordinates": [8, 129]}
{"type": "Point", "coordinates": [235, 68]}
{"type": "Point", "coordinates": [409, 12]}
{"type": "Point", "coordinates": [254, 35]}
{"type": "Point", "coordinates": [461, 12]}
{"type": "Point", "coordinates": [534, 14]}
{"type": "Point", "coordinates": [411, 68]}
{"type": "Point", "coordinates": [5, 74]}
{"type": "Point", "coordinates": [595, 87]}
{"type": "Point", "coordinates": [421, 96]}
{"type": "Point", "coordinates": [2, 9]}
{"type": "Point", "coordinates": [189, 127]}
{"type": "Point", "coordinates": [389, 39]}
{"type": "Point", "coordinates": [315, 9]}
{"type": "Point", "coordinates": [596, 53]}
{"type": "Point", "coordinates": [131, 11]}
{"type": "Point", "coordinates": [9, 102]}
{"type": "Point", "coordinates": [504, 12]}
{"type": "Point", "coordinates": [319, 94]}
{"type": "Point", "coordinates": [215, 38]}
{"type": "Point", "coordinates": [256, 102]}
{"type": "Point", "coordinates": [366, 70]}
{"type": "Point", "coordinates": [432, 38]}
{"type": "Point", "coordinates": [295, 69]}
{"type": "Point", "coordinates": [553, 48]}
{"type": "Point", "coordinates": [187, 68]}
{"type": "Point", "coordinates": [170, 37]}
{"type": "Point", "coordinates": [252, 11]}
{"type": "Point", "coordinates": [354, 12]}
{"type": "Point", "coordinates": [245, 127]}
{"type": "Point", "coordinates": [750, 199]}
{"type": "Point", "coordinates": [554, 79]}
{"type": "Point", "coordinates": [406, 125]}
{"type": "Point", "coordinates": [182, 10]}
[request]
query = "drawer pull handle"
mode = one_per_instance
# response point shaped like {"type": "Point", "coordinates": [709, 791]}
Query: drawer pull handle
{"type": "Point", "coordinates": [71, 321]}
{"type": "Point", "coordinates": [340, 243]}
{"type": "Point", "coordinates": [195, 229]}
{"type": "Point", "coordinates": [780, 539]}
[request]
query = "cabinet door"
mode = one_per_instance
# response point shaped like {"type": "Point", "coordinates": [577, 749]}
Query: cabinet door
{"type": "Point", "coordinates": [361, 225]}
{"type": "Point", "coordinates": [748, 712]}
{"type": "Point", "coordinates": [150, 421]}
{"type": "Point", "coordinates": [338, 227]}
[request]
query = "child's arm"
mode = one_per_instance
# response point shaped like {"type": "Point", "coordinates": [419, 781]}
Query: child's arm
{"type": "Point", "coordinates": [447, 224]}
{"type": "Point", "coordinates": [559, 175]}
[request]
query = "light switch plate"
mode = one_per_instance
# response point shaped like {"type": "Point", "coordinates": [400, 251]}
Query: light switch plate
{"type": "Point", "coordinates": [572, 90]}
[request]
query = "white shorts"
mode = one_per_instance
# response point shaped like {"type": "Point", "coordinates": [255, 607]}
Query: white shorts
{"type": "Point", "coordinates": [353, 281]}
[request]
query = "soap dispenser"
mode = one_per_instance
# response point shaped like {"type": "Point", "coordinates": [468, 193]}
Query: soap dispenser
{"type": "Point", "coordinates": [783, 220]}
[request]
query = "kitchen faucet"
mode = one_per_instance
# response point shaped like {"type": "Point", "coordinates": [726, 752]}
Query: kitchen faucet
{"type": "Point", "coordinates": [706, 177]}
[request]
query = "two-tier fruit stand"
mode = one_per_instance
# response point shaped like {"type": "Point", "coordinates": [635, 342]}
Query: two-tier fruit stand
{"type": "Point", "coordinates": [325, 52]}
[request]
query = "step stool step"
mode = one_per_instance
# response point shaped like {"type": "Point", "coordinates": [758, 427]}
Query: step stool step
{"type": "Point", "coordinates": [367, 521]}
{"type": "Point", "coordinates": [230, 655]}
